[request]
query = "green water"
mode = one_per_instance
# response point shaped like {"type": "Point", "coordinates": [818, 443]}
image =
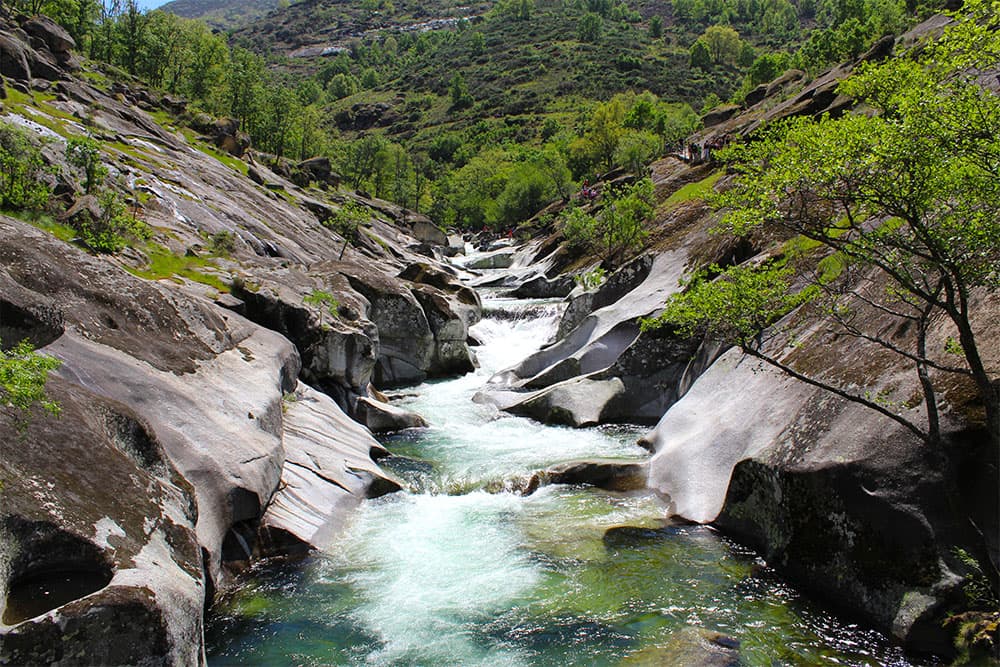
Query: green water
{"type": "Point", "coordinates": [455, 572]}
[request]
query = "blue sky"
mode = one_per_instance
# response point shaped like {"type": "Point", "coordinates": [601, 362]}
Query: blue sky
{"type": "Point", "coordinates": [151, 4]}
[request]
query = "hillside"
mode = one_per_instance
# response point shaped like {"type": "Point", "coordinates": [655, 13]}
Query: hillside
{"type": "Point", "coordinates": [221, 14]}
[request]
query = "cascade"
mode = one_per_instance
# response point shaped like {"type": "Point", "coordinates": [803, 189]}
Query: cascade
{"type": "Point", "coordinates": [464, 567]}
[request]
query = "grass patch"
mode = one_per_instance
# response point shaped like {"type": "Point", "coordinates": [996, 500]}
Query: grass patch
{"type": "Point", "coordinates": [164, 264]}
{"type": "Point", "coordinates": [233, 163]}
{"type": "Point", "coordinates": [46, 223]}
{"type": "Point", "coordinates": [692, 191]}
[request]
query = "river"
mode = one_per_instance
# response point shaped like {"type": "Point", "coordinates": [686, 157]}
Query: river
{"type": "Point", "coordinates": [461, 569]}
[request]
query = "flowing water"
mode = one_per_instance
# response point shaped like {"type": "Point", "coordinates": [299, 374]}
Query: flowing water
{"type": "Point", "coordinates": [460, 569]}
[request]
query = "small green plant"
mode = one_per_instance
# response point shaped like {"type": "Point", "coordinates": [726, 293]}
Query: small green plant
{"type": "Point", "coordinates": [23, 374]}
{"type": "Point", "coordinates": [591, 279]}
{"type": "Point", "coordinates": [222, 244]}
{"type": "Point", "coordinates": [346, 222]}
{"type": "Point", "coordinates": [85, 153]}
{"type": "Point", "coordinates": [324, 301]}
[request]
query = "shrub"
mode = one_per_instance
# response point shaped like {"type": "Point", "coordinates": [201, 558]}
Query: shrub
{"type": "Point", "coordinates": [23, 373]}
{"type": "Point", "coordinates": [85, 153]}
{"type": "Point", "coordinates": [114, 228]}
{"type": "Point", "coordinates": [21, 165]}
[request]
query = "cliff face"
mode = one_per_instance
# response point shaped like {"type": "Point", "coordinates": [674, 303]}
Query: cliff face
{"type": "Point", "coordinates": [192, 439]}
{"type": "Point", "coordinates": [846, 502]}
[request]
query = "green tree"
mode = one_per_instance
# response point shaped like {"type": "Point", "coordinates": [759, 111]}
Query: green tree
{"type": "Point", "coordinates": [656, 27]}
{"type": "Point", "coordinates": [908, 193]}
{"type": "Point", "coordinates": [724, 44]}
{"type": "Point", "coordinates": [347, 221]}
{"type": "Point", "coordinates": [21, 165]}
{"type": "Point", "coordinates": [23, 375]}
{"type": "Point", "coordinates": [700, 56]}
{"type": "Point", "coordinates": [458, 90]}
{"type": "Point", "coordinates": [590, 27]}
{"type": "Point", "coordinates": [85, 153]}
{"type": "Point", "coordinates": [636, 149]}
{"type": "Point", "coordinates": [621, 224]}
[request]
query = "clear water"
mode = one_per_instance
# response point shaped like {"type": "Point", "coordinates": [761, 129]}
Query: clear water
{"type": "Point", "coordinates": [457, 571]}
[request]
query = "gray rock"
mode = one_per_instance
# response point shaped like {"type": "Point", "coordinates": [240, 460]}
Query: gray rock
{"type": "Point", "coordinates": [426, 231]}
{"type": "Point", "coordinates": [610, 474]}
{"type": "Point", "coordinates": [54, 36]}
{"type": "Point", "coordinates": [497, 259]}
{"type": "Point", "coordinates": [14, 58]}
{"type": "Point", "coordinates": [381, 417]}
{"type": "Point", "coordinates": [328, 469]}
{"type": "Point", "coordinates": [541, 287]}
{"type": "Point", "coordinates": [576, 402]}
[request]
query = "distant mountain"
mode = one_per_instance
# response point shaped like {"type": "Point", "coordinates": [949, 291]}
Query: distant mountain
{"type": "Point", "coordinates": [223, 14]}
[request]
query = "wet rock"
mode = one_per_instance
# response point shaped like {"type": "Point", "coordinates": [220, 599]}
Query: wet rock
{"type": "Point", "coordinates": [92, 553]}
{"type": "Point", "coordinates": [407, 345]}
{"type": "Point", "coordinates": [843, 501]}
{"type": "Point", "coordinates": [610, 474]}
{"type": "Point", "coordinates": [496, 259]}
{"type": "Point", "coordinates": [577, 402]}
{"type": "Point", "coordinates": [451, 351]}
{"type": "Point", "coordinates": [382, 417]}
{"type": "Point", "coordinates": [691, 647]}
{"type": "Point", "coordinates": [328, 469]}
{"type": "Point", "coordinates": [582, 302]}
{"type": "Point", "coordinates": [541, 287]}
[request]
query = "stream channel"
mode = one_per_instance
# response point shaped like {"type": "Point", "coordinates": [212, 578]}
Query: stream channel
{"type": "Point", "coordinates": [461, 569]}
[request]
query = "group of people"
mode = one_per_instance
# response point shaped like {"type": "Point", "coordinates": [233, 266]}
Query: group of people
{"type": "Point", "coordinates": [702, 152]}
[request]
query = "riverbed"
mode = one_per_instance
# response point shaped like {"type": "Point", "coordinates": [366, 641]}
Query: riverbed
{"type": "Point", "coordinates": [465, 568]}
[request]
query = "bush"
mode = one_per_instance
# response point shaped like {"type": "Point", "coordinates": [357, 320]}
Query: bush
{"type": "Point", "coordinates": [115, 228]}
{"type": "Point", "coordinates": [85, 153]}
{"type": "Point", "coordinates": [578, 230]}
{"type": "Point", "coordinates": [21, 165]}
{"type": "Point", "coordinates": [23, 373]}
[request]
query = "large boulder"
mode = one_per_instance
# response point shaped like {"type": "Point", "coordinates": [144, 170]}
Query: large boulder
{"type": "Point", "coordinates": [51, 34]}
{"type": "Point", "coordinates": [99, 562]}
{"type": "Point", "coordinates": [328, 470]}
{"type": "Point", "coordinates": [178, 434]}
{"type": "Point", "coordinates": [846, 502]}
{"type": "Point", "coordinates": [14, 58]}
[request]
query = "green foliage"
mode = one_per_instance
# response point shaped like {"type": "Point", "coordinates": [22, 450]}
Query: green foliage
{"type": "Point", "coordinates": [324, 301]}
{"type": "Point", "coordinates": [656, 27]}
{"type": "Point", "coordinates": [458, 90]}
{"type": "Point", "coordinates": [21, 165]}
{"type": "Point", "coordinates": [222, 244]}
{"type": "Point", "coordinates": [723, 44]}
{"type": "Point", "coordinates": [113, 228]}
{"type": "Point", "coordinates": [579, 230]}
{"type": "Point", "coordinates": [590, 280]}
{"type": "Point", "coordinates": [165, 264]}
{"type": "Point", "coordinates": [699, 190]}
{"type": "Point", "coordinates": [909, 192]}
{"type": "Point", "coordinates": [617, 229]}
{"type": "Point", "coordinates": [23, 374]}
{"type": "Point", "coordinates": [346, 221]}
{"type": "Point", "coordinates": [85, 153]}
{"type": "Point", "coordinates": [590, 28]}
{"type": "Point", "coordinates": [734, 305]}
{"type": "Point", "coordinates": [700, 56]}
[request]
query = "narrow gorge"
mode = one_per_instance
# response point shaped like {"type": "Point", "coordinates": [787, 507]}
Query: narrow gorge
{"type": "Point", "coordinates": [289, 422]}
